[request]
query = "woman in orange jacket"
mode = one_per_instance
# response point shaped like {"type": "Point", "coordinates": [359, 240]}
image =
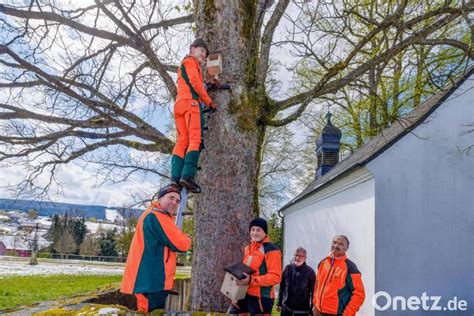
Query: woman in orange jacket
{"type": "Point", "coordinates": [265, 258]}
{"type": "Point", "coordinates": [189, 118]}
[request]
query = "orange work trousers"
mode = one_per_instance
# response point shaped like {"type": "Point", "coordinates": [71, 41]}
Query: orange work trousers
{"type": "Point", "coordinates": [147, 302]}
{"type": "Point", "coordinates": [189, 122]}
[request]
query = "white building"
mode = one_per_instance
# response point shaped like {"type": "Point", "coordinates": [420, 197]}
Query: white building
{"type": "Point", "coordinates": [21, 244]}
{"type": "Point", "coordinates": [406, 202]}
{"type": "Point", "coordinates": [113, 215]}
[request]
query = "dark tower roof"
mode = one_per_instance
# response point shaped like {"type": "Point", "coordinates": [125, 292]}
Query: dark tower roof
{"type": "Point", "coordinates": [330, 129]}
{"type": "Point", "coordinates": [327, 147]}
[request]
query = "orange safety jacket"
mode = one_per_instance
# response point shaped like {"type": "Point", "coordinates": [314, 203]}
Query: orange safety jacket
{"type": "Point", "coordinates": [151, 261]}
{"type": "Point", "coordinates": [266, 261]}
{"type": "Point", "coordinates": [339, 287]}
{"type": "Point", "coordinates": [190, 72]}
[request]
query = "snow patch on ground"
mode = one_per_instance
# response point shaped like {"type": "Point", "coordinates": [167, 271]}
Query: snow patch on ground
{"type": "Point", "coordinates": [93, 228]}
{"type": "Point", "coordinates": [108, 311]}
{"type": "Point", "coordinates": [23, 268]}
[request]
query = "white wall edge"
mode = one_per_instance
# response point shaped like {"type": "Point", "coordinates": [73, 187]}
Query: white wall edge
{"type": "Point", "coordinates": [356, 177]}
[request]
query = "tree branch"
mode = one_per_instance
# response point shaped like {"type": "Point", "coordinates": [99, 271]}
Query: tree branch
{"type": "Point", "coordinates": [135, 41]}
{"type": "Point", "coordinates": [117, 22]}
{"type": "Point", "coordinates": [290, 118]}
{"type": "Point", "coordinates": [267, 37]}
{"type": "Point", "coordinates": [325, 86]}
{"type": "Point", "coordinates": [168, 23]}
{"type": "Point", "coordinates": [95, 122]}
{"type": "Point", "coordinates": [142, 129]}
{"type": "Point", "coordinates": [51, 16]}
{"type": "Point", "coordinates": [451, 42]}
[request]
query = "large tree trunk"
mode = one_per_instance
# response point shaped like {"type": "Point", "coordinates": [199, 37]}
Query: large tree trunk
{"type": "Point", "coordinates": [224, 209]}
{"type": "Point", "coordinates": [231, 158]}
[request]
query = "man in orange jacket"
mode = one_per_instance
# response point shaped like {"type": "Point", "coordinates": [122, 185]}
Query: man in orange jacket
{"type": "Point", "coordinates": [151, 262]}
{"type": "Point", "coordinates": [189, 118]}
{"type": "Point", "coordinates": [265, 258]}
{"type": "Point", "coordinates": [339, 287]}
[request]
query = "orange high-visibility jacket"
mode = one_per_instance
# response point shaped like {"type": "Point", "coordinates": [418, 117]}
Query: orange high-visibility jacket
{"type": "Point", "coordinates": [339, 287]}
{"type": "Point", "coordinates": [190, 71]}
{"type": "Point", "coordinates": [266, 261]}
{"type": "Point", "coordinates": [151, 261]}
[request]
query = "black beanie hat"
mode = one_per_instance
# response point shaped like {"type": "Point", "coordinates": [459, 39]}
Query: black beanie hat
{"type": "Point", "coordinates": [168, 189]}
{"type": "Point", "coordinates": [259, 222]}
{"type": "Point", "coordinates": [199, 42]}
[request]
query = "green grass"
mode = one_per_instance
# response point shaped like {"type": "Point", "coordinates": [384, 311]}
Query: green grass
{"type": "Point", "coordinates": [180, 276]}
{"type": "Point", "coordinates": [26, 290]}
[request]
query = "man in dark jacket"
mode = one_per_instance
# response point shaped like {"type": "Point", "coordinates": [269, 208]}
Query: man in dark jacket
{"type": "Point", "coordinates": [297, 286]}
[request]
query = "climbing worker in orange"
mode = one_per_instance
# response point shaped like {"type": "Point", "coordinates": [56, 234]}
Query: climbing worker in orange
{"type": "Point", "coordinates": [151, 262]}
{"type": "Point", "coordinates": [189, 118]}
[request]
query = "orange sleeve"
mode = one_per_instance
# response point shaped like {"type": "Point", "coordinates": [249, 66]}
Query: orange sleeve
{"type": "Point", "coordinates": [246, 254]}
{"type": "Point", "coordinates": [195, 80]}
{"type": "Point", "coordinates": [273, 275]}
{"type": "Point", "coordinates": [178, 241]}
{"type": "Point", "coordinates": [318, 273]}
{"type": "Point", "coordinates": [314, 294]}
{"type": "Point", "coordinates": [358, 296]}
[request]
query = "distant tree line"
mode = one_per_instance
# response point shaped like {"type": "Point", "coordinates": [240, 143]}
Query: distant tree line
{"type": "Point", "coordinates": [69, 236]}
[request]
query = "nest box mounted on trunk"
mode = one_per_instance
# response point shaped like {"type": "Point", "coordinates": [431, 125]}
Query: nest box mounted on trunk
{"type": "Point", "coordinates": [214, 65]}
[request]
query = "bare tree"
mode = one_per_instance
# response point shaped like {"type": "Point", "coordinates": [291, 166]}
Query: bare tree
{"type": "Point", "coordinates": [32, 214]}
{"type": "Point", "coordinates": [74, 79]}
{"type": "Point", "coordinates": [89, 247]}
{"type": "Point", "coordinates": [125, 236]}
{"type": "Point", "coordinates": [281, 159]}
{"type": "Point", "coordinates": [33, 243]}
{"type": "Point", "coordinates": [66, 243]}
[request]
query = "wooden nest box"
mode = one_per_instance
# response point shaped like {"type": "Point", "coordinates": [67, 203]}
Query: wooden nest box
{"type": "Point", "coordinates": [214, 64]}
{"type": "Point", "coordinates": [229, 287]}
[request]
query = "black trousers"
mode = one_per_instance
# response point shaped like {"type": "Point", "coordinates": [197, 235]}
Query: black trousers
{"type": "Point", "coordinates": [253, 305]}
{"type": "Point", "coordinates": [285, 311]}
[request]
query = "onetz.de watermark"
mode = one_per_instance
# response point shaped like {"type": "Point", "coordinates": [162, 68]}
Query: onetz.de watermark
{"type": "Point", "coordinates": [384, 301]}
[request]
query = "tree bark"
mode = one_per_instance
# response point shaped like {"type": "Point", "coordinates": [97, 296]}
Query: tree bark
{"type": "Point", "coordinates": [373, 122]}
{"type": "Point", "coordinates": [34, 258]}
{"type": "Point", "coordinates": [225, 207]}
{"type": "Point", "coordinates": [418, 93]}
{"type": "Point", "coordinates": [231, 158]}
